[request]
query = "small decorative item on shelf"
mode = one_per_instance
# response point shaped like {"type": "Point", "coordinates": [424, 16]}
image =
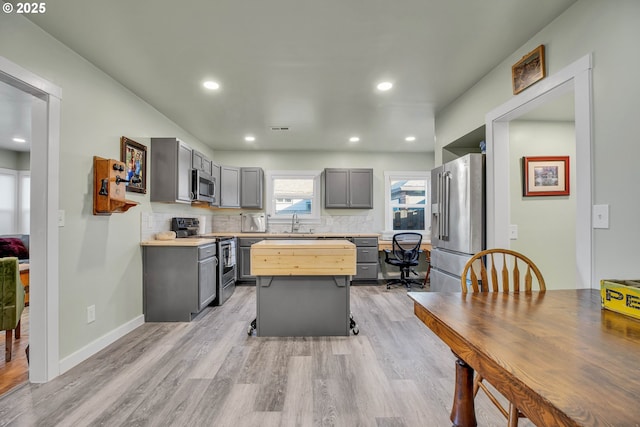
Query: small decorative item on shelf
{"type": "Point", "coordinates": [109, 180]}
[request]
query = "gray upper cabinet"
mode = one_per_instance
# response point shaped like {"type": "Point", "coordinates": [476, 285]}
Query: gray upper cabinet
{"type": "Point", "coordinates": [251, 182]}
{"type": "Point", "coordinates": [348, 188]}
{"type": "Point", "coordinates": [215, 173]}
{"type": "Point", "coordinates": [170, 170]}
{"type": "Point", "coordinates": [229, 187]}
{"type": "Point", "coordinates": [201, 162]}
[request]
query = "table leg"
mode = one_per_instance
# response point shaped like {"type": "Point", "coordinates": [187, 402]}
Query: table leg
{"type": "Point", "coordinates": [463, 412]}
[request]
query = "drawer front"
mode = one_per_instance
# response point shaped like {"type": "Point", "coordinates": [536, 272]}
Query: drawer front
{"type": "Point", "coordinates": [368, 254]}
{"type": "Point", "coordinates": [365, 241]}
{"type": "Point", "coordinates": [248, 241]}
{"type": "Point", "coordinates": [206, 251]}
{"type": "Point", "coordinates": [367, 271]}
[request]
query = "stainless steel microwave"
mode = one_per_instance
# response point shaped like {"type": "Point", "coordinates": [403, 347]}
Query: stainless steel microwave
{"type": "Point", "coordinates": [203, 187]}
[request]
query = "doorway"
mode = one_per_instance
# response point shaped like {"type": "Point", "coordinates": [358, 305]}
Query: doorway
{"type": "Point", "coordinates": [43, 233]}
{"type": "Point", "coordinates": [576, 79]}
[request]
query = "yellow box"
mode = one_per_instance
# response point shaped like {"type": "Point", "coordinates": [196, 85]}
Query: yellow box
{"type": "Point", "coordinates": [622, 296]}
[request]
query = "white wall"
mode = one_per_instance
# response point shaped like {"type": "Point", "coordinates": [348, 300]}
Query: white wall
{"type": "Point", "coordinates": [610, 31]}
{"type": "Point", "coordinates": [546, 225]}
{"type": "Point", "coordinates": [317, 160]}
{"type": "Point", "coordinates": [100, 258]}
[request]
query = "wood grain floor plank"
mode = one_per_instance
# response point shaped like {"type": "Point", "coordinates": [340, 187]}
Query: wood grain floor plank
{"type": "Point", "coordinates": [209, 372]}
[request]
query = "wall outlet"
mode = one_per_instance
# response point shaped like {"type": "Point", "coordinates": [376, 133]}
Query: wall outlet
{"type": "Point", "coordinates": [91, 314]}
{"type": "Point", "coordinates": [61, 218]}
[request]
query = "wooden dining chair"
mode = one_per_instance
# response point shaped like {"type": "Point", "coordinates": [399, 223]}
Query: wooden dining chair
{"type": "Point", "coordinates": [500, 270]}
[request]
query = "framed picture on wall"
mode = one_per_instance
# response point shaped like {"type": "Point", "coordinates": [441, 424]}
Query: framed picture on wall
{"type": "Point", "coordinates": [134, 157]}
{"type": "Point", "coordinates": [528, 70]}
{"type": "Point", "coordinates": [546, 176]}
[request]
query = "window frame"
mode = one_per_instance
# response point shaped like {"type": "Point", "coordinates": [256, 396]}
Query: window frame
{"type": "Point", "coordinates": [314, 217]}
{"type": "Point", "coordinates": [388, 208]}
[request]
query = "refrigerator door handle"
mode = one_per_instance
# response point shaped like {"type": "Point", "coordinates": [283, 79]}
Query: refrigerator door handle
{"type": "Point", "coordinates": [439, 201]}
{"type": "Point", "coordinates": [447, 200]}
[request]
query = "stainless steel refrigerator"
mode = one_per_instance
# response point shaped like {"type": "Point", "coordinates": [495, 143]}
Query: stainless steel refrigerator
{"type": "Point", "coordinates": [457, 218]}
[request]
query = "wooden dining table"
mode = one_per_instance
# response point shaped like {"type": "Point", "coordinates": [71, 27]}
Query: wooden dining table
{"type": "Point", "coordinates": [559, 357]}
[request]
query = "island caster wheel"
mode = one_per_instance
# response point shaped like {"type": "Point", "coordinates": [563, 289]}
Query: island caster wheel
{"type": "Point", "coordinates": [252, 327]}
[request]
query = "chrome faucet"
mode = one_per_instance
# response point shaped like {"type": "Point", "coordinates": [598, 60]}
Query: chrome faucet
{"type": "Point", "coordinates": [295, 223]}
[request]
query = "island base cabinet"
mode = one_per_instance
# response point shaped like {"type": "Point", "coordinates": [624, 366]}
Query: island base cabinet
{"type": "Point", "coordinates": [290, 306]}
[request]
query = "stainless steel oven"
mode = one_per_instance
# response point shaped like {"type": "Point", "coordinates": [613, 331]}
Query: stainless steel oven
{"type": "Point", "coordinates": [226, 268]}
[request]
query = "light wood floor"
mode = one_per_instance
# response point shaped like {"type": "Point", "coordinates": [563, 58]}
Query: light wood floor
{"type": "Point", "coordinates": [210, 373]}
{"type": "Point", "coordinates": [16, 371]}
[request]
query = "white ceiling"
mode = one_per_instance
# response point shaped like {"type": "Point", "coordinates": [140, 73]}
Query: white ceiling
{"type": "Point", "coordinates": [309, 65]}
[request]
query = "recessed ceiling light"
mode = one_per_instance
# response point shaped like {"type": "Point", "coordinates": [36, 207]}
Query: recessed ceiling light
{"type": "Point", "coordinates": [19, 140]}
{"type": "Point", "coordinates": [249, 138]}
{"type": "Point", "coordinates": [383, 86]}
{"type": "Point", "coordinates": [410, 138]}
{"type": "Point", "coordinates": [354, 139]}
{"type": "Point", "coordinates": [210, 84]}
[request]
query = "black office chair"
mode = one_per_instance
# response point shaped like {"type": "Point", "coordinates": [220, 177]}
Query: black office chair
{"type": "Point", "coordinates": [406, 254]}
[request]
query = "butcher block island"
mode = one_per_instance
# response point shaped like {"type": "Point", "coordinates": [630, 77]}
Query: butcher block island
{"type": "Point", "coordinates": [302, 286]}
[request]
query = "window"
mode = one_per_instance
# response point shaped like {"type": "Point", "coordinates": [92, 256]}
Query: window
{"type": "Point", "coordinates": [407, 201]}
{"type": "Point", "coordinates": [8, 201]}
{"type": "Point", "coordinates": [14, 201]}
{"type": "Point", "coordinates": [290, 192]}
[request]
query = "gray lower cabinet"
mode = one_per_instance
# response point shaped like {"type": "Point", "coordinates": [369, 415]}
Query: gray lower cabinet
{"type": "Point", "coordinates": [367, 258]}
{"type": "Point", "coordinates": [179, 281]}
{"type": "Point", "coordinates": [229, 187]}
{"type": "Point", "coordinates": [251, 182]}
{"type": "Point", "coordinates": [348, 188]}
{"type": "Point", "coordinates": [170, 170]}
{"type": "Point", "coordinates": [244, 258]}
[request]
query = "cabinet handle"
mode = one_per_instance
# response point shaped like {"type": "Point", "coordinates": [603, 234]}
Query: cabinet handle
{"type": "Point", "coordinates": [365, 252]}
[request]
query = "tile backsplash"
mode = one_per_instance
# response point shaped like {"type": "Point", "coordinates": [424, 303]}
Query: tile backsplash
{"type": "Point", "coordinates": [152, 223]}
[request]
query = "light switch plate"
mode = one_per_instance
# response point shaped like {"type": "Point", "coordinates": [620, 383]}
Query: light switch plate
{"type": "Point", "coordinates": [513, 231]}
{"type": "Point", "coordinates": [600, 216]}
{"type": "Point", "coordinates": [61, 218]}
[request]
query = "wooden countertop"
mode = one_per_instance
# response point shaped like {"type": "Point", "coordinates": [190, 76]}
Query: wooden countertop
{"type": "Point", "coordinates": [388, 244]}
{"type": "Point", "coordinates": [292, 235]}
{"type": "Point", "coordinates": [178, 242]}
{"type": "Point", "coordinates": [299, 257]}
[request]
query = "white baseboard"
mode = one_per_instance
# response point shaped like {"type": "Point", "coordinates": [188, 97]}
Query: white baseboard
{"type": "Point", "coordinates": [99, 344]}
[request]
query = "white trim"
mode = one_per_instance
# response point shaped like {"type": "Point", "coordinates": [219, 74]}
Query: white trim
{"type": "Point", "coordinates": [576, 76]}
{"type": "Point", "coordinates": [21, 210]}
{"type": "Point", "coordinates": [94, 347]}
{"type": "Point", "coordinates": [43, 240]}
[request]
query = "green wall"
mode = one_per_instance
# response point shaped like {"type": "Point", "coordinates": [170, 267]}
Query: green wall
{"type": "Point", "coordinates": [100, 260]}
{"type": "Point", "coordinates": [8, 159]}
{"type": "Point", "coordinates": [609, 31]}
{"type": "Point", "coordinates": [546, 225]}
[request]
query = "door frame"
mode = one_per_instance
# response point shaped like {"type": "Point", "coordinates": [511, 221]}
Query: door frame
{"type": "Point", "coordinates": [577, 77]}
{"type": "Point", "coordinates": [43, 240]}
